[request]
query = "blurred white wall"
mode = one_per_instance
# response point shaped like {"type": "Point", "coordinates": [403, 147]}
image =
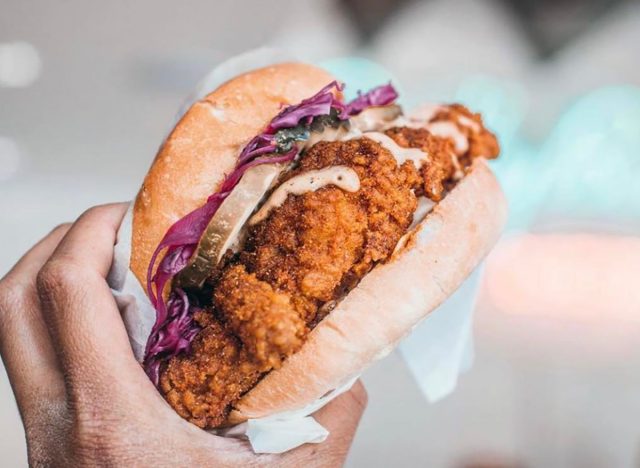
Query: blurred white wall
{"type": "Point", "coordinates": [112, 75]}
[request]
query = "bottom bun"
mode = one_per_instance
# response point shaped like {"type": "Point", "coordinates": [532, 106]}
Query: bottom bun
{"type": "Point", "coordinates": [390, 301]}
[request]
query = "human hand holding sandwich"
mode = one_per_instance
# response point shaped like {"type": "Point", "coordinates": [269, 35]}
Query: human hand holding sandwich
{"type": "Point", "coordinates": [82, 396]}
{"type": "Point", "coordinates": [285, 240]}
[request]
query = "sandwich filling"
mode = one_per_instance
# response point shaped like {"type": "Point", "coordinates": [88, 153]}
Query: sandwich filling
{"type": "Point", "coordinates": [336, 188]}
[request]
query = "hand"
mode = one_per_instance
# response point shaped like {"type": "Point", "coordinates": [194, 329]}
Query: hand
{"type": "Point", "coordinates": [82, 396]}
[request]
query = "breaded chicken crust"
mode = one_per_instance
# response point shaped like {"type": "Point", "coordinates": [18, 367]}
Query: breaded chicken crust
{"type": "Point", "coordinates": [442, 160]}
{"type": "Point", "coordinates": [482, 143]}
{"type": "Point", "coordinates": [216, 373]}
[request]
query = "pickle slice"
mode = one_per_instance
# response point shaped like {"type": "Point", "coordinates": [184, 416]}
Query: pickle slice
{"type": "Point", "coordinates": [223, 231]}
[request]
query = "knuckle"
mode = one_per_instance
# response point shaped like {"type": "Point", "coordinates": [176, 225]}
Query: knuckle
{"type": "Point", "coordinates": [97, 211]}
{"type": "Point", "coordinates": [60, 229]}
{"type": "Point", "coordinates": [57, 276]}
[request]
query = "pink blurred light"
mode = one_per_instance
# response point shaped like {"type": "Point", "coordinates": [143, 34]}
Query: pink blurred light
{"type": "Point", "coordinates": [586, 278]}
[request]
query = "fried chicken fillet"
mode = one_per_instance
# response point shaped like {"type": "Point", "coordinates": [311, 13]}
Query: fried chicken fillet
{"type": "Point", "coordinates": [305, 256]}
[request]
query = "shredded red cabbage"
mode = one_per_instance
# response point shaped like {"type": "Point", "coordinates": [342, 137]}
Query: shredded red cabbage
{"type": "Point", "coordinates": [176, 333]}
{"type": "Point", "coordinates": [319, 104]}
{"type": "Point", "coordinates": [380, 96]}
{"type": "Point", "coordinates": [174, 327]}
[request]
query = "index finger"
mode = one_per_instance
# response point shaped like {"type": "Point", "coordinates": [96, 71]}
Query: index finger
{"type": "Point", "coordinates": [78, 305]}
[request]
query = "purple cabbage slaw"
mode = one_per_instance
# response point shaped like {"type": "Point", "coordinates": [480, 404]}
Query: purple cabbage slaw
{"type": "Point", "coordinates": [175, 327]}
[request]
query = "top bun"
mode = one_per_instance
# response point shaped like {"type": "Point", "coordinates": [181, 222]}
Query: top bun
{"type": "Point", "coordinates": [205, 145]}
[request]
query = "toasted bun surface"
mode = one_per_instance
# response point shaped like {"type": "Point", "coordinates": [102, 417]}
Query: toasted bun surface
{"type": "Point", "coordinates": [205, 145]}
{"type": "Point", "coordinates": [389, 301]}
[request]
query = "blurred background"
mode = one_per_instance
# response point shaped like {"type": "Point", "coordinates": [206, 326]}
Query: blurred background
{"type": "Point", "coordinates": [88, 90]}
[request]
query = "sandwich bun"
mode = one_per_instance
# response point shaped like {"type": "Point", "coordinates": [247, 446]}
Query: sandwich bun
{"type": "Point", "coordinates": [439, 252]}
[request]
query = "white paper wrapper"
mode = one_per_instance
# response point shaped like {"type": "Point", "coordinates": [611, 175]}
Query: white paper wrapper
{"type": "Point", "coordinates": [441, 347]}
{"type": "Point", "coordinates": [436, 351]}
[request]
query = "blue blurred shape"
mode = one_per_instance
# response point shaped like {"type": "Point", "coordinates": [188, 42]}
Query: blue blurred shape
{"type": "Point", "coordinates": [593, 157]}
{"type": "Point", "coordinates": [503, 105]}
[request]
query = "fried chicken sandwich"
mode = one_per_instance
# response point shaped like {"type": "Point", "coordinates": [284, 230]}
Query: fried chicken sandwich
{"type": "Point", "coordinates": [287, 238]}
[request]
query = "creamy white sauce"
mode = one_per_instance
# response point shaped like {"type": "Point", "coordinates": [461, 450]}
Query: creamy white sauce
{"type": "Point", "coordinates": [422, 118]}
{"type": "Point", "coordinates": [375, 118]}
{"type": "Point", "coordinates": [440, 128]}
{"type": "Point", "coordinates": [425, 206]}
{"type": "Point", "coordinates": [447, 129]}
{"type": "Point", "coordinates": [422, 210]}
{"type": "Point", "coordinates": [327, 134]}
{"type": "Point", "coordinates": [341, 176]}
{"type": "Point", "coordinates": [427, 112]}
{"type": "Point", "coordinates": [469, 123]}
{"type": "Point", "coordinates": [459, 173]}
{"type": "Point", "coordinates": [401, 121]}
{"type": "Point", "coordinates": [399, 153]}
{"type": "Point", "coordinates": [354, 132]}
{"type": "Point", "coordinates": [366, 122]}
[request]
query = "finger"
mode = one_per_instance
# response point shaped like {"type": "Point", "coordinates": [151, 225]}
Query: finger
{"type": "Point", "coordinates": [25, 343]}
{"type": "Point", "coordinates": [78, 305]}
{"type": "Point", "coordinates": [341, 418]}
{"type": "Point", "coordinates": [89, 243]}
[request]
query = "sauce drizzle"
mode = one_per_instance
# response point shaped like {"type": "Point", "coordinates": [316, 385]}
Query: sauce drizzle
{"type": "Point", "coordinates": [341, 176]}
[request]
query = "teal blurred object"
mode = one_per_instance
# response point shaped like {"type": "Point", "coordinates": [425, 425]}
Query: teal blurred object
{"type": "Point", "coordinates": [589, 166]}
{"type": "Point", "coordinates": [503, 105]}
{"type": "Point", "coordinates": [593, 156]}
